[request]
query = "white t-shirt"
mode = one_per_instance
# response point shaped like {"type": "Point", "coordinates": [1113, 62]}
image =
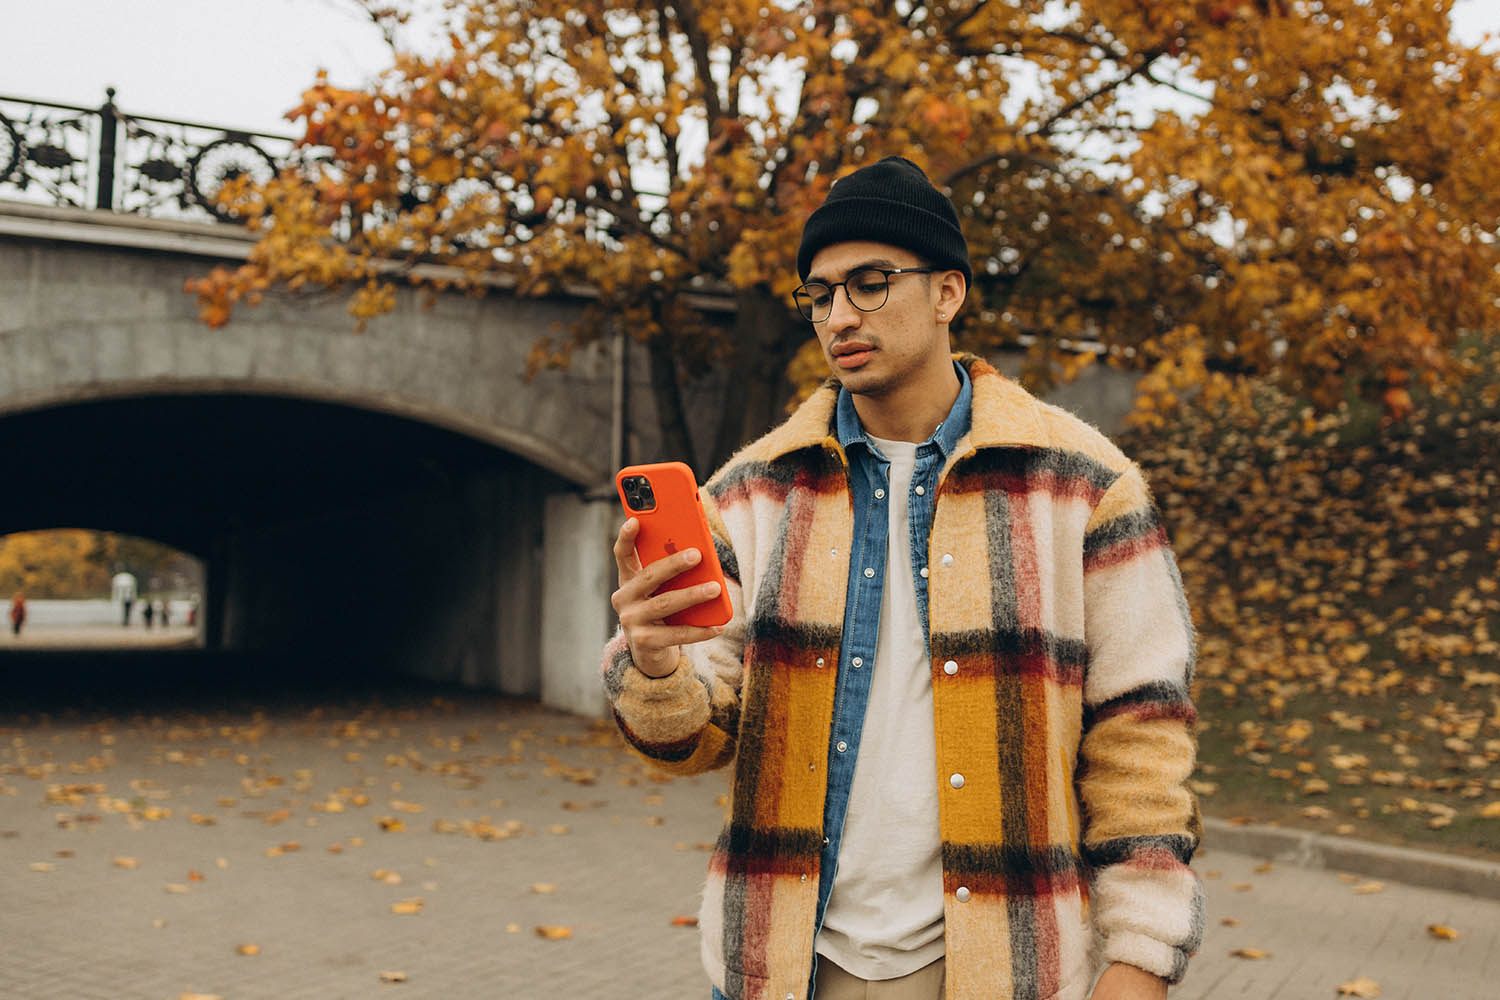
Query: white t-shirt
{"type": "Point", "coordinates": [885, 915]}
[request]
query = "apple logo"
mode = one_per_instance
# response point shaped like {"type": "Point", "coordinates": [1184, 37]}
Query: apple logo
{"type": "Point", "coordinates": [671, 547]}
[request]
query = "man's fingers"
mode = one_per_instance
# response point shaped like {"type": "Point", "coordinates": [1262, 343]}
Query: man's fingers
{"type": "Point", "coordinates": [649, 579]}
{"type": "Point", "coordinates": [624, 549]}
{"type": "Point", "coordinates": [643, 610]}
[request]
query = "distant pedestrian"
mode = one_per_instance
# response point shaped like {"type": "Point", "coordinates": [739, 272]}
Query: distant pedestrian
{"type": "Point", "coordinates": [166, 612]}
{"type": "Point", "coordinates": [122, 588]}
{"type": "Point", "coordinates": [17, 613]}
{"type": "Point", "coordinates": [148, 612]}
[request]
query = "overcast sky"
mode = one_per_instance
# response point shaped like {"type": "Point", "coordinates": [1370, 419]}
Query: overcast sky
{"type": "Point", "coordinates": [235, 62]}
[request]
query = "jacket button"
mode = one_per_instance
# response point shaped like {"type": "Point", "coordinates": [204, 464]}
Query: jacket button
{"type": "Point", "coordinates": [820, 661]}
{"type": "Point", "coordinates": [869, 572]}
{"type": "Point", "coordinates": [950, 668]}
{"type": "Point", "coordinates": [842, 746]}
{"type": "Point", "coordinates": [858, 661]}
{"type": "Point", "coordinates": [962, 895]}
{"type": "Point", "coordinates": [921, 491]}
{"type": "Point", "coordinates": [947, 559]}
{"type": "Point", "coordinates": [957, 781]}
{"type": "Point", "coordinates": [926, 572]}
{"type": "Point", "coordinates": [880, 494]}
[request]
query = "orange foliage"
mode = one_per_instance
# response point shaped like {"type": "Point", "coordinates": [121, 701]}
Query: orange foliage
{"type": "Point", "coordinates": [1212, 189]}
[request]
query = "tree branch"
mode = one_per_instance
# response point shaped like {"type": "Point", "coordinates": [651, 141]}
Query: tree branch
{"type": "Point", "coordinates": [687, 17]}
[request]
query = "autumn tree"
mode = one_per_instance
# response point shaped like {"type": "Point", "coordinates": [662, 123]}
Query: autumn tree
{"type": "Point", "coordinates": [78, 563]}
{"type": "Point", "coordinates": [1206, 190]}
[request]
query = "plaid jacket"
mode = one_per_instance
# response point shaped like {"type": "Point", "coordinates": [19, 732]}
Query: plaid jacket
{"type": "Point", "coordinates": [1055, 595]}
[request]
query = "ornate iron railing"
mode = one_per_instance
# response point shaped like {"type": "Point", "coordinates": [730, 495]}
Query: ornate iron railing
{"type": "Point", "coordinates": [103, 158]}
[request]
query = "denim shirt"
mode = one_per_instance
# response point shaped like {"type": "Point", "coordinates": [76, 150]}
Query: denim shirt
{"type": "Point", "coordinates": [869, 476]}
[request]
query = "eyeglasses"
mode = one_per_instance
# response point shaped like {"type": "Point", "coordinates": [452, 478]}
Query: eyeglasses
{"type": "Point", "coordinates": [867, 288]}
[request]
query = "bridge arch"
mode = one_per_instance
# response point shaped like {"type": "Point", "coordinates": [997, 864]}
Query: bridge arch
{"type": "Point", "coordinates": [102, 313]}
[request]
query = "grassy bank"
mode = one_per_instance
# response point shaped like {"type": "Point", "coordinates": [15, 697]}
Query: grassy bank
{"type": "Point", "coordinates": [1343, 579]}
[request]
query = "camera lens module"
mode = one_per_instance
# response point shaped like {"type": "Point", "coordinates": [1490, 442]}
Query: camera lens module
{"type": "Point", "coordinates": [638, 494]}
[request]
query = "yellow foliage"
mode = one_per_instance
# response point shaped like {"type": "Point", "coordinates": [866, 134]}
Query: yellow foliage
{"type": "Point", "coordinates": [1318, 214]}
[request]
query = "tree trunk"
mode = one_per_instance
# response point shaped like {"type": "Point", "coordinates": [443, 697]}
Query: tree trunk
{"type": "Point", "coordinates": [766, 337]}
{"type": "Point", "coordinates": [671, 414]}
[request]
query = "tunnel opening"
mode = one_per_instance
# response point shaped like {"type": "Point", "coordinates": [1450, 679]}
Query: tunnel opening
{"type": "Point", "coordinates": [76, 589]}
{"type": "Point", "coordinates": [341, 546]}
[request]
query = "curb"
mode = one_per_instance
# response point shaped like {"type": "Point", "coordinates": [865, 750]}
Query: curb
{"type": "Point", "coordinates": [1306, 849]}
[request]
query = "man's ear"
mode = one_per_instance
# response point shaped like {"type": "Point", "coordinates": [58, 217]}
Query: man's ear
{"type": "Point", "coordinates": [951, 291]}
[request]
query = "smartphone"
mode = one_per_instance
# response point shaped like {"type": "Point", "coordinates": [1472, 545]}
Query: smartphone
{"type": "Point", "coordinates": [663, 497]}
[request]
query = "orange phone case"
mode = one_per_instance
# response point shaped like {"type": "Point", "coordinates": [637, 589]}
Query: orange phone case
{"type": "Point", "coordinates": [677, 522]}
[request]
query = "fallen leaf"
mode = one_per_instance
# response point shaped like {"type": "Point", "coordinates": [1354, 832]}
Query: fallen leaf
{"type": "Point", "coordinates": [1366, 888]}
{"type": "Point", "coordinates": [199, 996]}
{"type": "Point", "coordinates": [1364, 986]}
{"type": "Point", "coordinates": [1242, 886]}
{"type": "Point", "coordinates": [43, 866]}
{"type": "Point", "coordinates": [391, 824]}
{"type": "Point", "coordinates": [1491, 811]}
{"type": "Point", "coordinates": [248, 949]}
{"type": "Point", "coordinates": [684, 921]}
{"type": "Point", "coordinates": [393, 977]}
{"type": "Point", "coordinates": [1263, 867]}
{"type": "Point", "coordinates": [1230, 921]}
{"type": "Point", "coordinates": [176, 887]}
{"type": "Point", "coordinates": [554, 932]}
{"type": "Point", "coordinates": [543, 888]}
{"type": "Point", "coordinates": [408, 907]}
{"type": "Point", "coordinates": [1442, 932]}
{"type": "Point", "coordinates": [1250, 953]}
{"type": "Point", "coordinates": [512, 928]}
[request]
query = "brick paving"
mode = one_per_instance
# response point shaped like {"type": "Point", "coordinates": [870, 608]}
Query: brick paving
{"type": "Point", "coordinates": [235, 827]}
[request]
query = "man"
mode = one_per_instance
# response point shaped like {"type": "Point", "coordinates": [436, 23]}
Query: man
{"type": "Point", "coordinates": [17, 613]}
{"type": "Point", "coordinates": [955, 687]}
{"type": "Point", "coordinates": [122, 588]}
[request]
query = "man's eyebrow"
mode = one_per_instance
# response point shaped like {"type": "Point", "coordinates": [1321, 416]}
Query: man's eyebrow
{"type": "Point", "coordinates": [873, 262]}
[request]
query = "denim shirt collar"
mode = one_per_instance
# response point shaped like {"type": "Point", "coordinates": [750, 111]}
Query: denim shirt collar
{"type": "Point", "coordinates": [850, 431]}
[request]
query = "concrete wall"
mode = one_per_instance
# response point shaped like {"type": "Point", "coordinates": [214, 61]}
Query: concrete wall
{"type": "Point", "coordinates": [577, 582]}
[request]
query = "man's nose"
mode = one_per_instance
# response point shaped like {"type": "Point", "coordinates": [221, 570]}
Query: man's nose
{"type": "Point", "coordinates": [842, 314]}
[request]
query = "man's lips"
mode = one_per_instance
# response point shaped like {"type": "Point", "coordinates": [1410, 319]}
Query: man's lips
{"type": "Point", "coordinates": [851, 354]}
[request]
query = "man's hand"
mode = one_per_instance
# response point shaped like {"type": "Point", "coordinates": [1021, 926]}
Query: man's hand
{"type": "Point", "coordinates": [1126, 982]}
{"type": "Point", "coordinates": [654, 645]}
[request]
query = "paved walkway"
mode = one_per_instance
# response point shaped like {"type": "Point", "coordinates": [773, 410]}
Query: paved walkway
{"type": "Point", "coordinates": [52, 637]}
{"type": "Point", "coordinates": [428, 839]}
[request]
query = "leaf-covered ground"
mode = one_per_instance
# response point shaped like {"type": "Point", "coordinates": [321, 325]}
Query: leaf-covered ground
{"type": "Point", "coordinates": [1343, 578]}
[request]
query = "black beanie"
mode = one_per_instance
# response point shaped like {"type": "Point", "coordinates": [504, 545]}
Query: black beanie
{"type": "Point", "coordinates": [888, 202]}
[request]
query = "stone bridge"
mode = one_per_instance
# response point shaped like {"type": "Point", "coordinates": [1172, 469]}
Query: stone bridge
{"type": "Point", "coordinates": [398, 500]}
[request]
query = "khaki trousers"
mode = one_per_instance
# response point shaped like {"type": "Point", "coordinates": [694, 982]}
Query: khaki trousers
{"type": "Point", "coordinates": [834, 983]}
